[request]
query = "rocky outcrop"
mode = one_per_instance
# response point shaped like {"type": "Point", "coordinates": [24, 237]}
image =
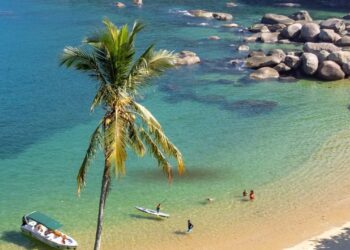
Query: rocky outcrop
{"type": "Point", "coordinates": [335, 24]}
{"type": "Point", "coordinates": [330, 71]}
{"type": "Point", "coordinates": [187, 58]}
{"type": "Point", "coordinates": [269, 37]}
{"type": "Point", "coordinates": [292, 61]}
{"type": "Point", "coordinates": [316, 47]}
{"type": "Point", "coordinates": [276, 19]}
{"type": "Point", "coordinates": [344, 41]}
{"type": "Point", "coordinates": [309, 63]}
{"type": "Point", "coordinates": [309, 32]}
{"type": "Point", "coordinates": [264, 74]}
{"type": "Point", "coordinates": [340, 57]}
{"type": "Point", "coordinates": [262, 61]}
{"type": "Point", "coordinates": [292, 31]}
{"type": "Point", "coordinates": [329, 36]}
{"type": "Point", "coordinates": [301, 15]}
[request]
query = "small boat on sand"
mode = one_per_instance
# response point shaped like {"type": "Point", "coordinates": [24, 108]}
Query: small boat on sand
{"type": "Point", "coordinates": [45, 229]}
{"type": "Point", "coordinates": [152, 212]}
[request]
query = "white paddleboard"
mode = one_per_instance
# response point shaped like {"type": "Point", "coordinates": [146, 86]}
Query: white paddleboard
{"type": "Point", "coordinates": [152, 212]}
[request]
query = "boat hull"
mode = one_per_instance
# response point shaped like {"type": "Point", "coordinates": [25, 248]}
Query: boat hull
{"type": "Point", "coordinates": [27, 230]}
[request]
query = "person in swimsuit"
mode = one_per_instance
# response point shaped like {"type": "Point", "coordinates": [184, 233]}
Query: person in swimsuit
{"type": "Point", "coordinates": [251, 195]}
{"type": "Point", "coordinates": [189, 226]}
{"type": "Point", "coordinates": [158, 208]}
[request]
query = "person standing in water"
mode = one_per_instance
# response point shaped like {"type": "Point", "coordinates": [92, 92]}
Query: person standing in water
{"type": "Point", "coordinates": [251, 195]}
{"type": "Point", "coordinates": [158, 208]}
{"type": "Point", "coordinates": [189, 226]}
{"type": "Point", "coordinates": [244, 193]}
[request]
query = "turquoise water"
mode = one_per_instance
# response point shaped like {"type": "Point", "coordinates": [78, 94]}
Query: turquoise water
{"type": "Point", "coordinates": [233, 133]}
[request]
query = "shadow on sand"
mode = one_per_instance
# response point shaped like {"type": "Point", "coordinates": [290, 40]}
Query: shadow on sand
{"type": "Point", "coordinates": [145, 217]}
{"type": "Point", "coordinates": [179, 232]}
{"type": "Point", "coordinates": [337, 242]}
{"type": "Point", "coordinates": [21, 240]}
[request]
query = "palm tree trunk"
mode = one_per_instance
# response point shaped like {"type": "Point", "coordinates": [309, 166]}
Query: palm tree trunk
{"type": "Point", "coordinates": [104, 191]}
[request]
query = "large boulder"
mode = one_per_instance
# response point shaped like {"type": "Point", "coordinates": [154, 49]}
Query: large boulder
{"type": "Point", "coordinates": [264, 73]}
{"type": "Point", "coordinates": [335, 24]}
{"type": "Point", "coordinates": [258, 27]}
{"type": "Point", "coordinates": [322, 55]}
{"type": "Point", "coordinates": [330, 71]}
{"type": "Point", "coordinates": [262, 61]}
{"type": "Point", "coordinates": [275, 19]}
{"type": "Point", "coordinates": [347, 17]}
{"type": "Point", "coordinates": [187, 58]}
{"type": "Point", "coordinates": [292, 31]}
{"type": "Point", "coordinates": [309, 32]}
{"type": "Point", "coordinates": [243, 47]}
{"type": "Point", "coordinates": [328, 36]}
{"type": "Point", "coordinates": [339, 57]}
{"type": "Point", "coordinates": [269, 37]}
{"type": "Point", "coordinates": [346, 68]}
{"type": "Point", "coordinates": [282, 68]}
{"type": "Point", "coordinates": [344, 41]}
{"type": "Point", "coordinates": [309, 63]}
{"type": "Point", "coordinates": [276, 27]}
{"type": "Point", "coordinates": [301, 15]}
{"type": "Point", "coordinates": [315, 47]}
{"type": "Point", "coordinates": [292, 61]}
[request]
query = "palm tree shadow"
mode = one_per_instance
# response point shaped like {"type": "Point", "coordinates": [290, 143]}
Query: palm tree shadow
{"type": "Point", "coordinates": [144, 217]}
{"type": "Point", "coordinates": [20, 240]}
{"type": "Point", "coordinates": [179, 232]}
{"type": "Point", "coordinates": [337, 242]}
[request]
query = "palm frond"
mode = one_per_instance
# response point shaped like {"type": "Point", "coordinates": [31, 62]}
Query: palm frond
{"type": "Point", "coordinates": [95, 143]}
{"type": "Point", "coordinates": [115, 141]}
{"type": "Point", "coordinates": [135, 141]}
{"type": "Point", "coordinates": [157, 154]}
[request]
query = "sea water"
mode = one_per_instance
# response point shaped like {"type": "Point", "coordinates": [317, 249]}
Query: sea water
{"type": "Point", "coordinates": [234, 134]}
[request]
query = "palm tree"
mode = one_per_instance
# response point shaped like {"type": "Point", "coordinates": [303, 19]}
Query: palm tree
{"type": "Point", "coordinates": [108, 57]}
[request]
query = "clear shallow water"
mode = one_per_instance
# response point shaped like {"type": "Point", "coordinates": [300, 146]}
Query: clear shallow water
{"type": "Point", "coordinates": [234, 134]}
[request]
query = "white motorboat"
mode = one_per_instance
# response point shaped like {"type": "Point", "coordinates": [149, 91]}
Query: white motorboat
{"type": "Point", "coordinates": [45, 229]}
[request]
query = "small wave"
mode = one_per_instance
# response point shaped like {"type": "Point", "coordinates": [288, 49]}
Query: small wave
{"type": "Point", "coordinates": [180, 12]}
{"type": "Point", "coordinates": [198, 24]}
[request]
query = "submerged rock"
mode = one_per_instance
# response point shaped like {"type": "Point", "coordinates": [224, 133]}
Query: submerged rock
{"type": "Point", "coordinates": [251, 107]}
{"type": "Point", "coordinates": [264, 74]}
{"type": "Point", "coordinates": [214, 38]}
{"type": "Point", "coordinates": [243, 48]}
{"type": "Point", "coordinates": [207, 14]}
{"type": "Point", "coordinates": [287, 4]}
{"type": "Point", "coordinates": [187, 58]}
{"type": "Point", "coordinates": [230, 25]}
{"type": "Point", "coordinates": [119, 5]}
{"type": "Point", "coordinates": [231, 5]}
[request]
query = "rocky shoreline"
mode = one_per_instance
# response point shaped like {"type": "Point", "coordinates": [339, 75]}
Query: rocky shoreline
{"type": "Point", "coordinates": [325, 54]}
